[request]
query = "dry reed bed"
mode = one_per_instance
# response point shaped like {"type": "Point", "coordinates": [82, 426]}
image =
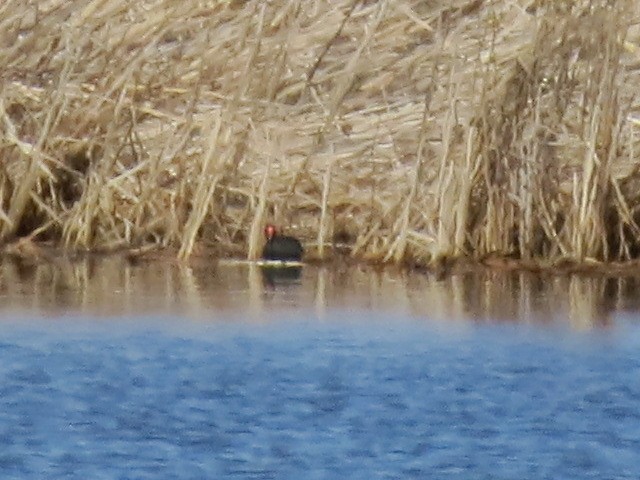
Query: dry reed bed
{"type": "Point", "coordinates": [413, 131]}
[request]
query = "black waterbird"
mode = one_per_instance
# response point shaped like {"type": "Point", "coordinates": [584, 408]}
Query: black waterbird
{"type": "Point", "coordinates": [281, 247]}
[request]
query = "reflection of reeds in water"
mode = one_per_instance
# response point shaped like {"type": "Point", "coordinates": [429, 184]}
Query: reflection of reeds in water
{"type": "Point", "coordinates": [114, 286]}
{"type": "Point", "coordinates": [412, 131]}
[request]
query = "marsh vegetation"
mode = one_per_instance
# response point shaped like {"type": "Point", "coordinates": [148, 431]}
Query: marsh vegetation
{"type": "Point", "coordinates": [406, 131]}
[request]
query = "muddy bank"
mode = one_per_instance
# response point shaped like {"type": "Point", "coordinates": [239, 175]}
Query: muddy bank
{"type": "Point", "coordinates": [28, 251]}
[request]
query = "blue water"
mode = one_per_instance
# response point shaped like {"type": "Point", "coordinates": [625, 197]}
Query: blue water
{"type": "Point", "coordinates": [340, 397]}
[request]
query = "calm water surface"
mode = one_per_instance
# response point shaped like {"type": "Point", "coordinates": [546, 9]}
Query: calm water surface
{"type": "Point", "coordinates": [111, 370]}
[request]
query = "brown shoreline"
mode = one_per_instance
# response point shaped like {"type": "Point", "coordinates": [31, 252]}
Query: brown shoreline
{"type": "Point", "coordinates": [117, 282]}
{"type": "Point", "coordinates": [27, 249]}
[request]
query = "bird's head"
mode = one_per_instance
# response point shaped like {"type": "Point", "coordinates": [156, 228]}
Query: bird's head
{"type": "Point", "coordinates": [269, 231]}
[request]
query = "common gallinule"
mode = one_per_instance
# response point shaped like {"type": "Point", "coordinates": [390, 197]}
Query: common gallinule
{"type": "Point", "coordinates": [281, 247]}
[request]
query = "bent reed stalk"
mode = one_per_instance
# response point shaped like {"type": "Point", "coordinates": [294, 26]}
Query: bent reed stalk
{"type": "Point", "coordinates": [413, 132]}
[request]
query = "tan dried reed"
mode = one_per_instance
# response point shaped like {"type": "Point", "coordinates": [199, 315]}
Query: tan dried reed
{"type": "Point", "coordinates": [413, 131]}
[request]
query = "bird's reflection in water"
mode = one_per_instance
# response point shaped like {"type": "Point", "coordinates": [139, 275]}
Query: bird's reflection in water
{"type": "Point", "coordinates": [281, 275]}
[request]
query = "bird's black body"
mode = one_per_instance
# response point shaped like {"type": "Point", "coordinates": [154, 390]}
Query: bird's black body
{"type": "Point", "coordinates": [281, 247]}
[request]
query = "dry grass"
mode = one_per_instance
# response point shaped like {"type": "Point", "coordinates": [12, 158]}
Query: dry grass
{"type": "Point", "coordinates": [412, 131]}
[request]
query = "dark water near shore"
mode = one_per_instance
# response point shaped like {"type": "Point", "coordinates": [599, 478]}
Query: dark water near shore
{"type": "Point", "coordinates": [112, 370]}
